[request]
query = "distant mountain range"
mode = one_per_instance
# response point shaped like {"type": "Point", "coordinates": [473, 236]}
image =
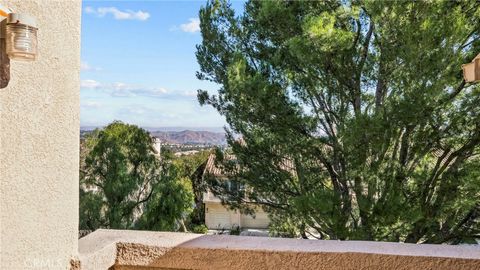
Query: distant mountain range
{"type": "Point", "coordinates": [152, 129]}
{"type": "Point", "coordinates": [186, 136]}
{"type": "Point", "coordinates": [190, 136]}
{"type": "Point", "coordinates": [211, 129]}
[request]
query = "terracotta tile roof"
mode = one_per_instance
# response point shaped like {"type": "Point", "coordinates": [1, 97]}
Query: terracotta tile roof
{"type": "Point", "coordinates": [211, 169]}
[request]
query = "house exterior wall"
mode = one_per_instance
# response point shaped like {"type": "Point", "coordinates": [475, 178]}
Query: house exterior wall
{"type": "Point", "coordinates": [39, 143]}
{"type": "Point", "coordinates": [259, 221]}
{"type": "Point", "coordinates": [218, 216]}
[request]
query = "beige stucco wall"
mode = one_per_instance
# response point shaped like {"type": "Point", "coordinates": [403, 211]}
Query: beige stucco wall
{"type": "Point", "coordinates": [143, 250]}
{"type": "Point", "coordinates": [39, 123]}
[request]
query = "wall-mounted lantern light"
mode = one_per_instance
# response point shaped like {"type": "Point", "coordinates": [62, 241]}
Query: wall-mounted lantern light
{"type": "Point", "coordinates": [18, 40]}
{"type": "Point", "coordinates": [21, 37]}
{"type": "Point", "coordinates": [471, 71]}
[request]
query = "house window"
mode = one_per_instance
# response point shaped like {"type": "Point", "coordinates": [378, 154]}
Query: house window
{"type": "Point", "coordinates": [234, 187]}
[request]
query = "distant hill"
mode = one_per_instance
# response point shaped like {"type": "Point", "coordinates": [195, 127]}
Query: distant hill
{"type": "Point", "coordinates": [190, 136]}
{"type": "Point", "coordinates": [172, 135]}
{"type": "Point", "coordinates": [153, 129]}
{"type": "Point", "coordinates": [211, 129]}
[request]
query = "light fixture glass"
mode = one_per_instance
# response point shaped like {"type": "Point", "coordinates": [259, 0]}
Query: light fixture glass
{"type": "Point", "coordinates": [21, 37]}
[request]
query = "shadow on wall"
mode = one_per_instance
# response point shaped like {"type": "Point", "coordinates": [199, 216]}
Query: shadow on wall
{"type": "Point", "coordinates": [4, 65]}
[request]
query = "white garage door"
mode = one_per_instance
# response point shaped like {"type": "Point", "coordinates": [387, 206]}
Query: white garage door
{"type": "Point", "coordinates": [218, 218]}
{"type": "Point", "coordinates": [260, 221]}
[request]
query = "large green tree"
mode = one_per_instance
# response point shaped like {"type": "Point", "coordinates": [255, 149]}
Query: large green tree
{"type": "Point", "coordinates": [355, 118]}
{"type": "Point", "coordinates": [125, 185]}
{"type": "Point", "coordinates": [191, 169]}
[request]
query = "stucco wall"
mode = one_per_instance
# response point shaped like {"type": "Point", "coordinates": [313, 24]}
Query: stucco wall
{"type": "Point", "coordinates": [132, 250]}
{"type": "Point", "coordinates": [39, 123]}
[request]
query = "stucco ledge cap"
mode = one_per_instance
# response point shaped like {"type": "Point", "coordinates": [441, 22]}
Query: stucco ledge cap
{"type": "Point", "coordinates": [105, 248]}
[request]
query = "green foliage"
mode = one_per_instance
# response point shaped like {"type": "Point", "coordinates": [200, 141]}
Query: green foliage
{"type": "Point", "coordinates": [202, 229]}
{"type": "Point", "coordinates": [235, 230]}
{"type": "Point", "coordinates": [191, 169]}
{"type": "Point", "coordinates": [124, 185]}
{"type": "Point", "coordinates": [90, 210]}
{"type": "Point", "coordinates": [283, 227]}
{"type": "Point", "coordinates": [354, 115]}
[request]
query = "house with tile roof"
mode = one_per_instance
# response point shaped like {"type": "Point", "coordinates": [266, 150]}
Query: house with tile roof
{"type": "Point", "coordinates": [218, 216]}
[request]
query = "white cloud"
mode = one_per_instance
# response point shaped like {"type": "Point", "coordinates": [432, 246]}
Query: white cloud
{"type": "Point", "coordinates": [84, 66]}
{"type": "Point", "coordinates": [89, 10]}
{"type": "Point", "coordinates": [190, 93]}
{"type": "Point", "coordinates": [192, 26]}
{"type": "Point", "coordinates": [91, 104]}
{"type": "Point", "coordinates": [89, 84]}
{"type": "Point", "coordinates": [127, 90]}
{"type": "Point", "coordinates": [120, 89]}
{"type": "Point", "coordinates": [135, 112]}
{"type": "Point", "coordinates": [118, 14]}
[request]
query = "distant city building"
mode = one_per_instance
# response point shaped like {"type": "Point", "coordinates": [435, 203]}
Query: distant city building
{"type": "Point", "coordinates": [157, 146]}
{"type": "Point", "coordinates": [186, 153]}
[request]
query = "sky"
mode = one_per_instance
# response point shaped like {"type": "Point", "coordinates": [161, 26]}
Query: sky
{"type": "Point", "coordinates": [138, 64]}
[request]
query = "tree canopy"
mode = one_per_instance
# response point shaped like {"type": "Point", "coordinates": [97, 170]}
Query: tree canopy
{"type": "Point", "coordinates": [355, 118]}
{"type": "Point", "coordinates": [191, 169]}
{"type": "Point", "coordinates": [124, 184]}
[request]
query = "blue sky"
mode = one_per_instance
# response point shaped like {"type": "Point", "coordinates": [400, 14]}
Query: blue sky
{"type": "Point", "coordinates": [138, 64]}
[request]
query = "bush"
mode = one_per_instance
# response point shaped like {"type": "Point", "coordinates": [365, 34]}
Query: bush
{"type": "Point", "coordinates": [202, 228]}
{"type": "Point", "coordinates": [235, 230]}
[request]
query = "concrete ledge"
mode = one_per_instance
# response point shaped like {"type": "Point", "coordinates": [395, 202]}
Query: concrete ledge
{"type": "Point", "coordinates": [124, 250]}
